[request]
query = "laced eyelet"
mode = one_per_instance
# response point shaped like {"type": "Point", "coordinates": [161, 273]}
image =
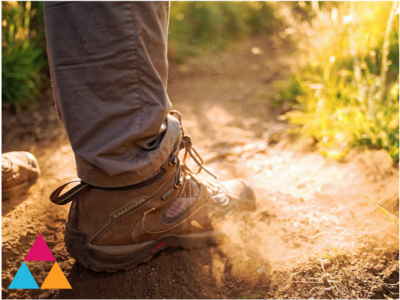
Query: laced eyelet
{"type": "Point", "coordinates": [173, 160]}
{"type": "Point", "coordinates": [178, 184]}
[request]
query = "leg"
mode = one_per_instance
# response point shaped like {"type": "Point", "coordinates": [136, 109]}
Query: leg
{"type": "Point", "coordinates": [108, 64]}
{"type": "Point", "coordinates": [109, 70]}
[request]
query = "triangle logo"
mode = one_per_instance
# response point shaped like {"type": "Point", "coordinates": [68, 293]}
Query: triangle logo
{"type": "Point", "coordinates": [56, 279]}
{"type": "Point", "coordinates": [40, 251]}
{"type": "Point", "coordinates": [23, 279]}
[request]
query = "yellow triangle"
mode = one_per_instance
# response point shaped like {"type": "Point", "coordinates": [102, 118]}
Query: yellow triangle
{"type": "Point", "coordinates": [56, 279]}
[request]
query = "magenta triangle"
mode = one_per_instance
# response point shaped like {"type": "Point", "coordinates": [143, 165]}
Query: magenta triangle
{"type": "Point", "coordinates": [40, 251]}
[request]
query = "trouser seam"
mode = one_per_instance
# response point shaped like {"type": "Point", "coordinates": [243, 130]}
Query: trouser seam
{"type": "Point", "coordinates": [136, 38]}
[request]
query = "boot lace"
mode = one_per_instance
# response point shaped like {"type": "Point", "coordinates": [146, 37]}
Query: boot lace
{"type": "Point", "coordinates": [184, 172]}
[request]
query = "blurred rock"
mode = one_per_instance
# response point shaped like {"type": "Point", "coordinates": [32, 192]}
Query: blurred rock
{"type": "Point", "coordinates": [377, 164]}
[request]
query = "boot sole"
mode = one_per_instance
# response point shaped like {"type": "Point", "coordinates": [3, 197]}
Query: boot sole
{"type": "Point", "coordinates": [98, 261]}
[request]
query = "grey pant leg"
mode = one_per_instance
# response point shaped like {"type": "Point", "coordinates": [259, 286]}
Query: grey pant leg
{"type": "Point", "coordinates": [108, 65]}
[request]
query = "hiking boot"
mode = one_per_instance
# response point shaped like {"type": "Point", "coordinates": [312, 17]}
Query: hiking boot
{"type": "Point", "coordinates": [112, 229]}
{"type": "Point", "coordinates": [19, 171]}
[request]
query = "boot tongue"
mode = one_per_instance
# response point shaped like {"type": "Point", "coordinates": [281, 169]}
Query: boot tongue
{"type": "Point", "coordinates": [217, 192]}
{"type": "Point", "coordinates": [191, 189]}
{"type": "Point", "coordinates": [190, 194]}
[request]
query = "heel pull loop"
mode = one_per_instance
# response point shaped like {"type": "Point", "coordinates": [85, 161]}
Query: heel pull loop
{"type": "Point", "coordinates": [79, 188]}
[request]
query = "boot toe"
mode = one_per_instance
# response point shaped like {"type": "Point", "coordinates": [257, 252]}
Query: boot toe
{"type": "Point", "coordinates": [34, 170]}
{"type": "Point", "coordinates": [242, 194]}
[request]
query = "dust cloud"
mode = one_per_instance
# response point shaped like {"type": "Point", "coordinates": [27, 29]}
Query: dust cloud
{"type": "Point", "coordinates": [308, 208]}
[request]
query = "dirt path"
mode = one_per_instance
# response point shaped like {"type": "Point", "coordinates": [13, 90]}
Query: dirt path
{"type": "Point", "coordinates": [307, 206]}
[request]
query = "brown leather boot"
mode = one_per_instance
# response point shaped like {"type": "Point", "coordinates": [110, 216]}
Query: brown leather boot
{"type": "Point", "coordinates": [19, 171]}
{"type": "Point", "coordinates": [118, 229]}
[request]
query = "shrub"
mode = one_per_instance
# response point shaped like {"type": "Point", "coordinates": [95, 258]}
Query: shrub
{"type": "Point", "coordinates": [196, 26]}
{"type": "Point", "coordinates": [24, 61]}
{"type": "Point", "coordinates": [348, 77]}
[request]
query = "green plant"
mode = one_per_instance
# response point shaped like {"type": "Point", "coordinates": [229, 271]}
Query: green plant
{"type": "Point", "coordinates": [197, 26]}
{"type": "Point", "coordinates": [24, 58]}
{"type": "Point", "coordinates": [338, 255]}
{"type": "Point", "coordinates": [348, 78]}
{"type": "Point", "coordinates": [387, 212]}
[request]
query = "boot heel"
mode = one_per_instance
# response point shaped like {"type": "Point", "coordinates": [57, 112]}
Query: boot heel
{"type": "Point", "coordinates": [76, 245]}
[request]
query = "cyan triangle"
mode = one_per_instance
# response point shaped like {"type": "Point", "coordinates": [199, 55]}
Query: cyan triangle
{"type": "Point", "coordinates": [23, 279]}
